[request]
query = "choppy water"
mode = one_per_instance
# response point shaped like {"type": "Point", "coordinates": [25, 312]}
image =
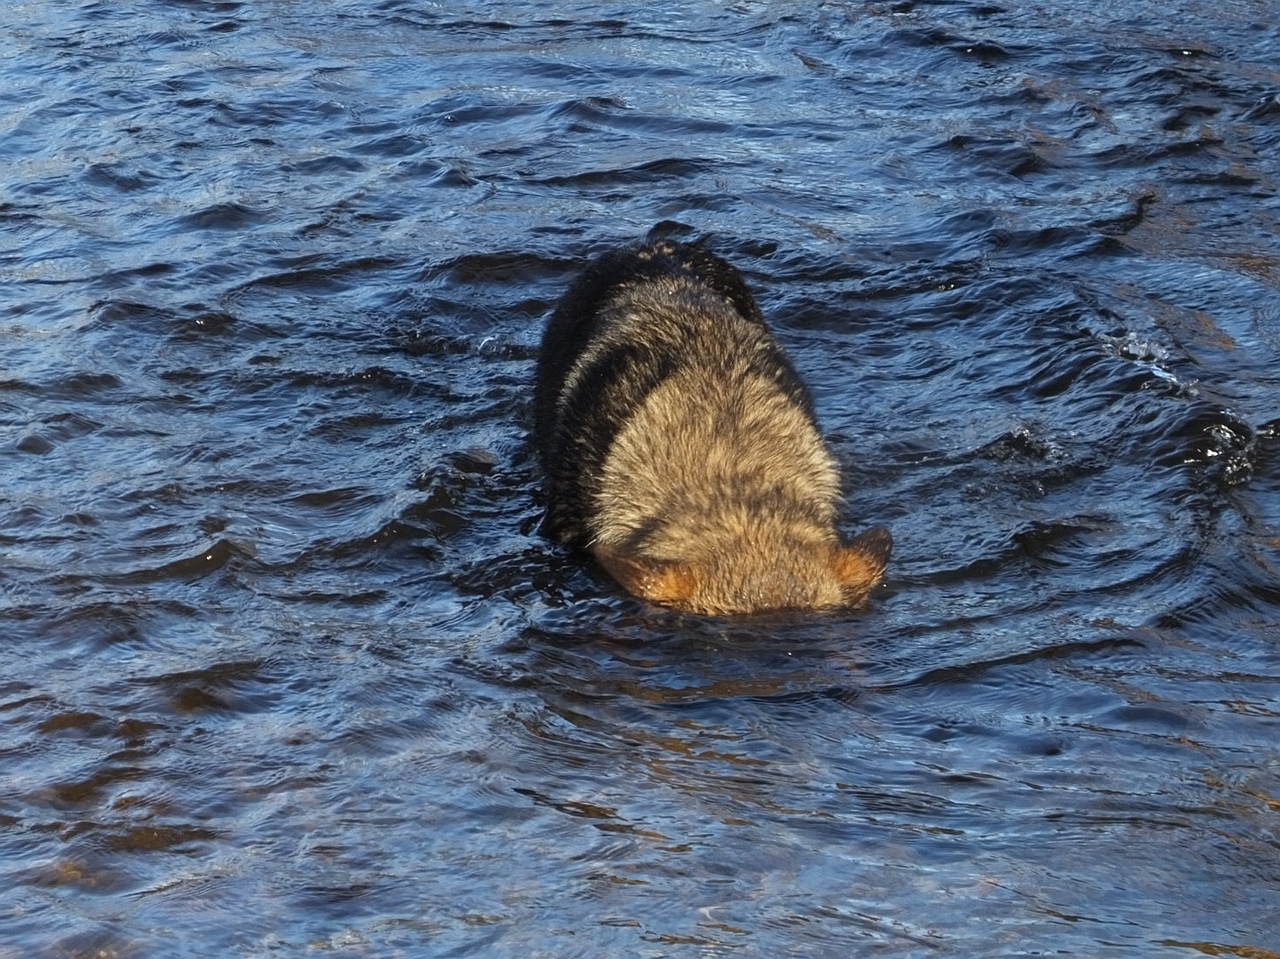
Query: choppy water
{"type": "Point", "coordinates": [287, 668]}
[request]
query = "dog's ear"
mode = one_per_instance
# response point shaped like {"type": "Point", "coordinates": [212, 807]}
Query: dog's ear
{"type": "Point", "coordinates": [860, 563]}
{"type": "Point", "coordinates": [664, 583]}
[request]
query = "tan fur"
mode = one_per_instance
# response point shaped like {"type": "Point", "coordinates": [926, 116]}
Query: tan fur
{"type": "Point", "coordinates": [733, 495]}
{"type": "Point", "coordinates": [668, 584]}
{"type": "Point", "coordinates": [682, 451]}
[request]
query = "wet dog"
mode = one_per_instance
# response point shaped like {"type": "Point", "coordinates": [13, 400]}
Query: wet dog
{"type": "Point", "coordinates": [680, 447]}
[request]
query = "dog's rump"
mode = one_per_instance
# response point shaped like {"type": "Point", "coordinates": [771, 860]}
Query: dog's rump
{"type": "Point", "coordinates": [633, 319]}
{"type": "Point", "coordinates": [681, 448]}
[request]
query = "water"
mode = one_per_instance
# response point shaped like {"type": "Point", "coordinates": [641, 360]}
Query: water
{"type": "Point", "coordinates": [287, 667]}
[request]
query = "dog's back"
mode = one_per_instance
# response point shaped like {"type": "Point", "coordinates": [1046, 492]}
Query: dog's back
{"type": "Point", "coordinates": [680, 446]}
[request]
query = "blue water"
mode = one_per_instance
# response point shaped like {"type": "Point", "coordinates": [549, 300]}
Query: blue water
{"type": "Point", "coordinates": [287, 667]}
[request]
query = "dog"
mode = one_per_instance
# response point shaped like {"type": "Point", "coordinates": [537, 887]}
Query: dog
{"type": "Point", "coordinates": [680, 448]}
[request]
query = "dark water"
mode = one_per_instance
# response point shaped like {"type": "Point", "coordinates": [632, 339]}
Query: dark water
{"type": "Point", "coordinates": [287, 668]}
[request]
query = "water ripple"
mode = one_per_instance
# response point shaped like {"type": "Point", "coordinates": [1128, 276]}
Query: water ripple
{"type": "Point", "coordinates": [290, 665]}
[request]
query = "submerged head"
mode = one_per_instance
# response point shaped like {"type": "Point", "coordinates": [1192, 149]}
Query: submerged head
{"type": "Point", "coordinates": [753, 579]}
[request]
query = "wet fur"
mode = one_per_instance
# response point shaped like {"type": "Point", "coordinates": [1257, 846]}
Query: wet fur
{"type": "Point", "coordinates": [680, 446]}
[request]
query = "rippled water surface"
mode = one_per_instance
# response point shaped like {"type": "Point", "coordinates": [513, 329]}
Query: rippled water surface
{"type": "Point", "coordinates": [287, 667]}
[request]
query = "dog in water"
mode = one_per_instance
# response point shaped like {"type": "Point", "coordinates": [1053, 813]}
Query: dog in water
{"type": "Point", "coordinates": [680, 447]}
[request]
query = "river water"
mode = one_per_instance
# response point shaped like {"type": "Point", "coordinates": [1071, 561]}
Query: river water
{"type": "Point", "coordinates": [288, 669]}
